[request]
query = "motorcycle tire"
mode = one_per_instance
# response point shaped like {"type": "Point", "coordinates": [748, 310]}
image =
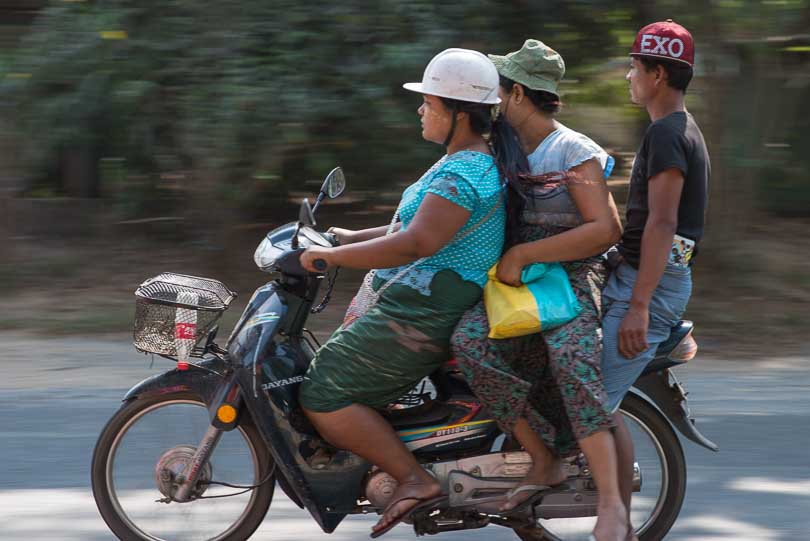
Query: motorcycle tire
{"type": "Point", "coordinates": [669, 506]}
{"type": "Point", "coordinates": [529, 533]}
{"type": "Point", "coordinates": [117, 521]}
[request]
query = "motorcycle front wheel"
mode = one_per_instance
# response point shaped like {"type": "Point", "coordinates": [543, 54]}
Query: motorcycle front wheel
{"type": "Point", "coordinates": [662, 465]}
{"type": "Point", "coordinates": [150, 438]}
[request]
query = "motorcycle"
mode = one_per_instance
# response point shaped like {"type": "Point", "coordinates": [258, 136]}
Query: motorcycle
{"type": "Point", "coordinates": [197, 451]}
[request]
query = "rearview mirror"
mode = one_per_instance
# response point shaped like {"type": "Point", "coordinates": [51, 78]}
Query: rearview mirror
{"type": "Point", "coordinates": [335, 183]}
{"type": "Point", "coordinates": [305, 214]}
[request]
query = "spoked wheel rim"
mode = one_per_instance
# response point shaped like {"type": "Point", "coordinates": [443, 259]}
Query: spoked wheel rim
{"type": "Point", "coordinates": [642, 519]}
{"type": "Point", "coordinates": [647, 505]}
{"type": "Point", "coordinates": [196, 520]}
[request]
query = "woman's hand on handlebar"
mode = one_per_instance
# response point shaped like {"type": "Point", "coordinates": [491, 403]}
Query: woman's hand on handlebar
{"type": "Point", "coordinates": [350, 236]}
{"type": "Point", "coordinates": [312, 259]}
{"type": "Point", "coordinates": [344, 236]}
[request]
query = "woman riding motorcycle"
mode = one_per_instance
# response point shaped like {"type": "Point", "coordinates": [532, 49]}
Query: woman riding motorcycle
{"type": "Point", "coordinates": [452, 226]}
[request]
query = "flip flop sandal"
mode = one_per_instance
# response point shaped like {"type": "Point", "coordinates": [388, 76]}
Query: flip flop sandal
{"type": "Point", "coordinates": [426, 505]}
{"type": "Point", "coordinates": [534, 489]}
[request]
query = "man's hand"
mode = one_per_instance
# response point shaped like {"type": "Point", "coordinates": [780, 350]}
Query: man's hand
{"type": "Point", "coordinates": [633, 331]}
{"type": "Point", "coordinates": [511, 266]}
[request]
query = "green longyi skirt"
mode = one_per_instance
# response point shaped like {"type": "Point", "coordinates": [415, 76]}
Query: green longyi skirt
{"type": "Point", "coordinates": [385, 353]}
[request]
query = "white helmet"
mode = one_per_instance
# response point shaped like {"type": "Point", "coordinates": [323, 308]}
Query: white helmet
{"type": "Point", "coordinates": [460, 74]}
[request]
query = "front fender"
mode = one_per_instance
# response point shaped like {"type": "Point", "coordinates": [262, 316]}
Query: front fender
{"type": "Point", "coordinates": [203, 379]}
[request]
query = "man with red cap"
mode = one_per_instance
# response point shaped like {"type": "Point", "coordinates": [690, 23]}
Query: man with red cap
{"type": "Point", "coordinates": [651, 283]}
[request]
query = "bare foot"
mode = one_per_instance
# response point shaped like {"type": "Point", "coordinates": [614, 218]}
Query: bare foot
{"type": "Point", "coordinates": [405, 498]}
{"type": "Point", "coordinates": [541, 474]}
{"type": "Point", "coordinates": [612, 525]}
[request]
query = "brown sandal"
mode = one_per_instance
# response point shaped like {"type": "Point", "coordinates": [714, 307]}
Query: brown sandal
{"type": "Point", "coordinates": [426, 504]}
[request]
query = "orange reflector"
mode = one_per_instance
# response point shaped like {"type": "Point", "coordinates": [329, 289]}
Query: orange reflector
{"type": "Point", "coordinates": [685, 350]}
{"type": "Point", "coordinates": [226, 413]}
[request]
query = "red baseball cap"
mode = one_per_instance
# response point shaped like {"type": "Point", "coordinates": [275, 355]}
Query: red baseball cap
{"type": "Point", "coordinates": [665, 39]}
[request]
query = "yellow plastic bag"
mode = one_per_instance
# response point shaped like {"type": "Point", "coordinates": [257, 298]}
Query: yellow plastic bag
{"type": "Point", "coordinates": [544, 301]}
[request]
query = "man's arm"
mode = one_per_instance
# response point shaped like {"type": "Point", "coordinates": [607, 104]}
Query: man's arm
{"type": "Point", "coordinates": [664, 195]}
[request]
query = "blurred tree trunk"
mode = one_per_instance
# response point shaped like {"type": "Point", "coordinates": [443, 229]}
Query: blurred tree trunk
{"type": "Point", "coordinates": [723, 87]}
{"type": "Point", "coordinates": [6, 252]}
{"type": "Point", "coordinates": [208, 220]}
{"type": "Point", "coordinates": [10, 184]}
{"type": "Point", "coordinates": [78, 168]}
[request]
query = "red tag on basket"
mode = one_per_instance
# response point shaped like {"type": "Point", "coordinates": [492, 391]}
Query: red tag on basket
{"type": "Point", "coordinates": [185, 331]}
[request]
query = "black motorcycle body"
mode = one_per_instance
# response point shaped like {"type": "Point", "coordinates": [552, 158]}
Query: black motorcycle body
{"type": "Point", "coordinates": [259, 373]}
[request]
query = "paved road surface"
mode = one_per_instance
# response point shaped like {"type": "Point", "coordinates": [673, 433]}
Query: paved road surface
{"type": "Point", "coordinates": [55, 395]}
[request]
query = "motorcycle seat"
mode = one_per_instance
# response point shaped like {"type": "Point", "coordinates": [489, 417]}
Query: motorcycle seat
{"type": "Point", "coordinates": [430, 413]}
{"type": "Point", "coordinates": [677, 334]}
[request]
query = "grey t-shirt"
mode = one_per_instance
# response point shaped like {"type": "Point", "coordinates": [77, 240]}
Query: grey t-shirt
{"type": "Point", "coordinates": [565, 148]}
{"type": "Point", "coordinates": [549, 203]}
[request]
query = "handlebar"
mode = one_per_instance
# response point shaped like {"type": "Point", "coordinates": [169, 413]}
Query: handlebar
{"type": "Point", "coordinates": [320, 264]}
{"type": "Point", "coordinates": [288, 260]}
{"type": "Point", "coordinates": [331, 237]}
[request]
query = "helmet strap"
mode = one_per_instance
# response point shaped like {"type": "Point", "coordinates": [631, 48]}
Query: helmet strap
{"type": "Point", "coordinates": [452, 131]}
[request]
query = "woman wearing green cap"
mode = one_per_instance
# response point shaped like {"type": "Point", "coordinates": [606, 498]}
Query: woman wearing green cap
{"type": "Point", "coordinates": [546, 388]}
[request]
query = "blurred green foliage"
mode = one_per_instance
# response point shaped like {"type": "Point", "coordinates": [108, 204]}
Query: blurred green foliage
{"type": "Point", "coordinates": [241, 100]}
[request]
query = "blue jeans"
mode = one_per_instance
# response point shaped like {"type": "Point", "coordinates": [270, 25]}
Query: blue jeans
{"type": "Point", "coordinates": [667, 305]}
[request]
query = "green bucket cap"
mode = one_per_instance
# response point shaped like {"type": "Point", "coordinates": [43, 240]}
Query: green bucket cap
{"type": "Point", "coordinates": [535, 65]}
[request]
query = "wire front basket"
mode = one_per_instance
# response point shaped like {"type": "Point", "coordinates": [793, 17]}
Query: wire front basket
{"type": "Point", "coordinates": [170, 300]}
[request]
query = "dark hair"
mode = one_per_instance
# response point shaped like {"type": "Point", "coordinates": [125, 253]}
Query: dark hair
{"type": "Point", "coordinates": [509, 156]}
{"type": "Point", "coordinates": [678, 73]}
{"type": "Point", "coordinates": [545, 102]}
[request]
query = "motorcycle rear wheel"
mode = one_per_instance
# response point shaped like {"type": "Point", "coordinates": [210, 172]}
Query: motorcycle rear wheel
{"type": "Point", "coordinates": [671, 492]}
{"type": "Point", "coordinates": [140, 436]}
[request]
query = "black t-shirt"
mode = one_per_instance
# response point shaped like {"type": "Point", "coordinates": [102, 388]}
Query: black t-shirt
{"type": "Point", "coordinates": [674, 141]}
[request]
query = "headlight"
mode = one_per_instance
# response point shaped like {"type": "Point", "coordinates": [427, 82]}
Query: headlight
{"type": "Point", "coordinates": [266, 255]}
